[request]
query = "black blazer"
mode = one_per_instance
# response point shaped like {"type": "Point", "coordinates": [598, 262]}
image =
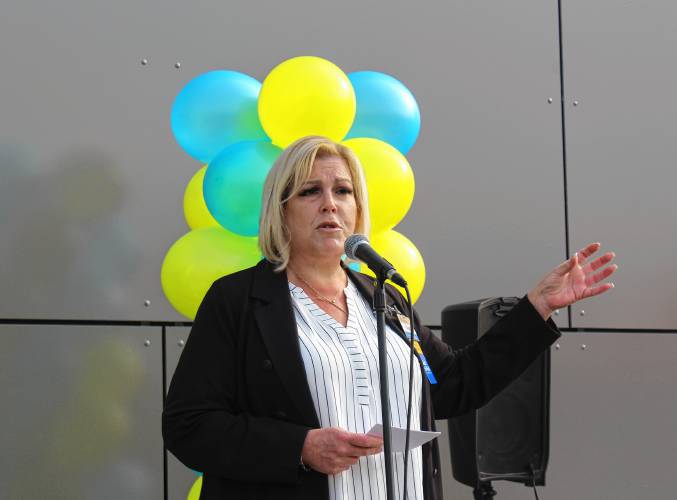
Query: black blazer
{"type": "Point", "coordinates": [239, 407]}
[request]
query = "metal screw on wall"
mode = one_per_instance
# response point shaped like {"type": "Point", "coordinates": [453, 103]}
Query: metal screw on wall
{"type": "Point", "coordinates": [556, 312]}
{"type": "Point", "coordinates": [181, 343]}
{"type": "Point", "coordinates": [575, 103]}
{"type": "Point", "coordinates": [582, 313]}
{"type": "Point", "coordinates": [583, 347]}
{"type": "Point", "coordinates": [549, 100]}
{"type": "Point", "coordinates": [177, 65]}
{"type": "Point", "coordinates": [557, 346]}
{"type": "Point", "coordinates": [146, 343]}
{"type": "Point", "coordinates": [146, 303]}
{"type": "Point", "coordinates": [144, 62]}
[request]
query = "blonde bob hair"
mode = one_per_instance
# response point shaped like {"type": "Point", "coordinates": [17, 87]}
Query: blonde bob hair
{"type": "Point", "coordinates": [289, 173]}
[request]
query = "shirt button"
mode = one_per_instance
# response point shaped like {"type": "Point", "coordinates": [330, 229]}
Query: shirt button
{"type": "Point", "coordinates": [267, 365]}
{"type": "Point", "coordinates": [435, 472]}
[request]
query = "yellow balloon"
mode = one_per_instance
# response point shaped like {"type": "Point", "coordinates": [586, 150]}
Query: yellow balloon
{"type": "Point", "coordinates": [200, 257]}
{"type": "Point", "coordinates": [194, 493]}
{"type": "Point", "coordinates": [194, 206]}
{"type": "Point", "coordinates": [406, 258]}
{"type": "Point", "coordinates": [306, 96]}
{"type": "Point", "coordinates": [390, 181]}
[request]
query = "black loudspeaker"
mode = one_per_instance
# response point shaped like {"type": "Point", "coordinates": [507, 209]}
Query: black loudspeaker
{"type": "Point", "coordinates": [508, 438]}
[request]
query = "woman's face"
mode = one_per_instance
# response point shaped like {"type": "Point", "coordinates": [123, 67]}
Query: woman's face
{"type": "Point", "coordinates": [322, 214]}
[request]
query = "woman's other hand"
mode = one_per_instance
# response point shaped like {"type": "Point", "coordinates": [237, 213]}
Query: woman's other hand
{"type": "Point", "coordinates": [573, 280]}
{"type": "Point", "coordinates": [333, 450]}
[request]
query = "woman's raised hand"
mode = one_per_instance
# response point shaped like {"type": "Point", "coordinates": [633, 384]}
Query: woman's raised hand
{"type": "Point", "coordinates": [333, 450]}
{"type": "Point", "coordinates": [575, 279]}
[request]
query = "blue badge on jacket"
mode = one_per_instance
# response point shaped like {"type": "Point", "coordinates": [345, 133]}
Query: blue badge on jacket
{"type": "Point", "coordinates": [406, 326]}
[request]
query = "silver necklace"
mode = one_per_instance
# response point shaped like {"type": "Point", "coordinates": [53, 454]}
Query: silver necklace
{"type": "Point", "coordinates": [319, 296]}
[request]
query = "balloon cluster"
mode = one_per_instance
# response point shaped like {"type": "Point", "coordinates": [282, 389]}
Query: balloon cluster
{"type": "Point", "coordinates": [238, 127]}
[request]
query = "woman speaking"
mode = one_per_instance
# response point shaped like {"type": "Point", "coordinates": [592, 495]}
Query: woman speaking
{"type": "Point", "coordinates": [279, 380]}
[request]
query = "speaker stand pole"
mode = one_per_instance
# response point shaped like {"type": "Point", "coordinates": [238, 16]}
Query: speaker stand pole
{"type": "Point", "coordinates": [380, 308]}
{"type": "Point", "coordinates": [484, 491]}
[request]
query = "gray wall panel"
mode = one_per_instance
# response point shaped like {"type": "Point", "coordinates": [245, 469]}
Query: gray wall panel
{"type": "Point", "coordinates": [179, 477]}
{"type": "Point", "coordinates": [488, 217]}
{"type": "Point", "coordinates": [95, 180]}
{"type": "Point", "coordinates": [621, 153]}
{"type": "Point", "coordinates": [89, 168]}
{"type": "Point", "coordinates": [80, 412]}
{"type": "Point", "coordinates": [613, 417]}
{"type": "Point", "coordinates": [613, 412]}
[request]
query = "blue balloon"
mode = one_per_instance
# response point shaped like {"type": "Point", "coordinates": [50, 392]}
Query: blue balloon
{"type": "Point", "coordinates": [233, 185]}
{"type": "Point", "coordinates": [215, 110]}
{"type": "Point", "coordinates": [355, 266]}
{"type": "Point", "coordinates": [386, 110]}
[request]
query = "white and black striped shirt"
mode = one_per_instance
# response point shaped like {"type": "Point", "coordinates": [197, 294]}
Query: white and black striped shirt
{"type": "Point", "coordinates": [341, 365]}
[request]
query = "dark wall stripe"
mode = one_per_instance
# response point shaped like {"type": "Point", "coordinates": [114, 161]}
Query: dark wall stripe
{"type": "Point", "coordinates": [165, 482]}
{"type": "Point", "coordinates": [562, 97]}
{"type": "Point", "coordinates": [169, 324]}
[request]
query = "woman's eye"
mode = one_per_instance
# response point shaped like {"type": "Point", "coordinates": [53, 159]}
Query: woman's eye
{"type": "Point", "coordinates": [308, 191]}
{"type": "Point", "coordinates": [345, 190]}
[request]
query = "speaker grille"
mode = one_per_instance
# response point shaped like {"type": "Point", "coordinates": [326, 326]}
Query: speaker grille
{"type": "Point", "coordinates": [511, 436]}
{"type": "Point", "coordinates": [508, 437]}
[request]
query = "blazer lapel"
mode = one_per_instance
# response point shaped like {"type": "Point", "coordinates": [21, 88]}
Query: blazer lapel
{"type": "Point", "coordinates": [275, 318]}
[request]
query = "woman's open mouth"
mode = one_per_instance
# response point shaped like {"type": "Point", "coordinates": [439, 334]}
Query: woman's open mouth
{"type": "Point", "coordinates": [329, 227]}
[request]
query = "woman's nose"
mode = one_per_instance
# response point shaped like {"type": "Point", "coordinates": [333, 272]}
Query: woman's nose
{"type": "Point", "coordinates": [328, 203]}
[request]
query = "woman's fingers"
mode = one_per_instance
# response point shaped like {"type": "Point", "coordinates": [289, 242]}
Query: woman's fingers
{"type": "Point", "coordinates": [600, 261]}
{"type": "Point", "coordinates": [576, 278]}
{"type": "Point", "coordinates": [581, 258]}
{"type": "Point", "coordinates": [364, 440]}
{"type": "Point", "coordinates": [361, 445]}
{"type": "Point", "coordinates": [586, 252]}
{"type": "Point", "coordinates": [332, 450]}
{"type": "Point", "coordinates": [596, 290]}
{"type": "Point", "coordinates": [602, 275]}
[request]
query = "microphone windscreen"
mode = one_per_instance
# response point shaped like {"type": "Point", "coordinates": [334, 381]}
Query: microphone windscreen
{"type": "Point", "coordinates": [352, 242]}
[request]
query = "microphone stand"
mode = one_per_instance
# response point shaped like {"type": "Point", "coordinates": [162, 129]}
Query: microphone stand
{"type": "Point", "coordinates": [380, 308]}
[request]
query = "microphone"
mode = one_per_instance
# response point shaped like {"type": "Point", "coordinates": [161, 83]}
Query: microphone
{"type": "Point", "coordinates": [357, 247]}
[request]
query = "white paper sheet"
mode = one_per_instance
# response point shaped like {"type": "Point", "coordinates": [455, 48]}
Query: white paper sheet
{"type": "Point", "coordinates": [398, 435]}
